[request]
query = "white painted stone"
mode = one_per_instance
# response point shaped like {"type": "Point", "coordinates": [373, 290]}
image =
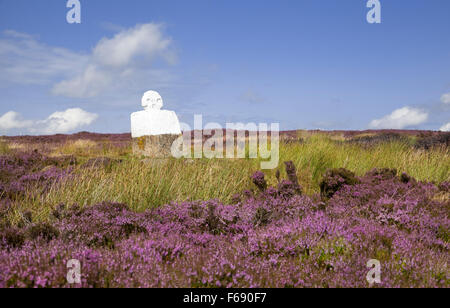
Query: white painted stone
{"type": "Point", "coordinates": [152, 100]}
{"type": "Point", "coordinates": [152, 120]}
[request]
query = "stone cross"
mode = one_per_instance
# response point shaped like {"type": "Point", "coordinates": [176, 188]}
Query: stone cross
{"type": "Point", "coordinates": [152, 100]}
{"type": "Point", "coordinates": [152, 120]}
{"type": "Point", "coordinates": [153, 130]}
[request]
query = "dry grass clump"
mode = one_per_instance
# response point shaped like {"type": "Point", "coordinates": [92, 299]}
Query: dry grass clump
{"type": "Point", "coordinates": [82, 147]}
{"type": "Point", "coordinates": [4, 148]}
{"type": "Point", "coordinates": [17, 146]}
{"type": "Point", "coordinates": [85, 148]}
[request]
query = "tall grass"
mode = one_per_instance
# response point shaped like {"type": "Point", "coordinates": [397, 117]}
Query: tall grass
{"type": "Point", "coordinates": [150, 183]}
{"type": "Point", "coordinates": [146, 184]}
{"type": "Point", "coordinates": [319, 153]}
{"type": "Point", "coordinates": [4, 148]}
{"type": "Point", "coordinates": [84, 148]}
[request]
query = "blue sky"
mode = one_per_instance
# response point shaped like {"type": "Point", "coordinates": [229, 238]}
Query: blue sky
{"type": "Point", "coordinates": [306, 64]}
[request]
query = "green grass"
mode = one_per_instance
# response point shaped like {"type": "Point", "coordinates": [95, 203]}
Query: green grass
{"type": "Point", "coordinates": [151, 183]}
{"type": "Point", "coordinates": [4, 148]}
{"type": "Point", "coordinates": [320, 153]}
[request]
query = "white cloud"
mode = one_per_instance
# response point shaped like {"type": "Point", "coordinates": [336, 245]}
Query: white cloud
{"type": "Point", "coordinates": [118, 60]}
{"type": "Point", "coordinates": [57, 123]}
{"type": "Point", "coordinates": [66, 121]}
{"type": "Point", "coordinates": [143, 40]}
{"type": "Point", "coordinates": [445, 127]}
{"type": "Point", "coordinates": [24, 60]}
{"type": "Point", "coordinates": [401, 118]}
{"type": "Point", "coordinates": [88, 84]}
{"type": "Point", "coordinates": [13, 120]}
{"type": "Point", "coordinates": [445, 98]}
{"type": "Point", "coordinates": [122, 63]}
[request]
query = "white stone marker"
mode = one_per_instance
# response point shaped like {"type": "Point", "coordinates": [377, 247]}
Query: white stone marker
{"type": "Point", "coordinates": [153, 121]}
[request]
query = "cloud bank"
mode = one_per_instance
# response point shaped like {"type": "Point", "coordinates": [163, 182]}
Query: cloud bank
{"type": "Point", "coordinates": [57, 123]}
{"type": "Point", "coordinates": [445, 127]}
{"type": "Point", "coordinates": [124, 62]}
{"type": "Point", "coordinates": [401, 118]}
{"type": "Point", "coordinates": [25, 61]}
{"type": "Point", "coordinates": [13, 120]}
{"type": "Point", "coordinates": [116, 60]}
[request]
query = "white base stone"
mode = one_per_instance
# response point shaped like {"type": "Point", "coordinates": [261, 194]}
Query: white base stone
{"type": "Point", "coordinates": [154, 122]}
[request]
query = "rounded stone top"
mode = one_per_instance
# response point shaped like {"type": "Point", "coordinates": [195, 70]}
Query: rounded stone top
{"type": "Point", "coordinates": [152, 100]}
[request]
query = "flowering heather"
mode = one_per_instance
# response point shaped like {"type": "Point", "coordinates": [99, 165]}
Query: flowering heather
{"type": "Point", "coordinates": [259, 181]}
{"type": "Point", "coordinates": [266, 239]}
{"type": "Point", "coordinates": [21, 171]}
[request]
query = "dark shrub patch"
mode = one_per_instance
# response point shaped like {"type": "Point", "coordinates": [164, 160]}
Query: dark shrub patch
{"type": "Point", "coordinates": [58, 212]}
{"type": "Point", "coordinates": [444, 186]}
{"type": "Point", "coordinates": [382, 173]}
{"type": "Point", "coordinates": [427, 142]}
{"type": "Point", "coordinates": [12, 237]}
{"type": "Point", "coordinates": [405, 178]}
{"type": "Point", "coordinates": [278, 175]}
{"type": "Point", "coordinates": [443, 233]}
{"type": "Point", "coordinates": [287, 189]}
{"type": "Point", "coordinates": [262, 217]}
{"type": "Point", "coordinates": [290, 187]}
{"type": "Point", "coordinates": [259, 181]}
{"type": "Point", "coordinates": [236, 198]}
{"type": "Point", "coordinates": [28, 217]}
{"type": "Point", "coordinates": [212, 221]}
{"type": "Point", "coordinates": [334, 179]}
{"type": "Point", "coordinates": [44, 231]}
{"type": "Point", "coordinates": [383, 137]}
{"type": "Point", "coordinates": [291, 172]}
{"type": "Point", "coordinates": [133, 228]}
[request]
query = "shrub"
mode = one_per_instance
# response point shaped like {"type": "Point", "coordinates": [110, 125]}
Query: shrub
{"type": "Point", "coordinates": [27, 217]}
{"type": "Point", "coordinates": [287, 189]}
{"type": "Point", "coordinates": [262, 217]}
{"type": "Point", "coordinates": [259, 181]}
{"type": "Point", "coordinates": [384, 137]}
{"type": "Point", "coordinates": [335, 179]}
{"type": "Point", "coordinates": [405, 178]}
{"type": "Point", "coordinates": [382, 174]}
{"type": "Point", "coordinates": [12, 237]}
{"type": "Point", "coordinates": [435, 140]}
{"type": "Point", "coordinates": [291, 172]}
{"type": "Point", "coordinates": [44, 231]}
{"type": "Point", "coordinates": [444, 186]}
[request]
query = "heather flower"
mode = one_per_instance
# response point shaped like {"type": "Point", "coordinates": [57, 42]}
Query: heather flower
{"type": "Point", "coordinates": [287, 189]}
{"type": "Point", "coordinates": [259, 181]}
